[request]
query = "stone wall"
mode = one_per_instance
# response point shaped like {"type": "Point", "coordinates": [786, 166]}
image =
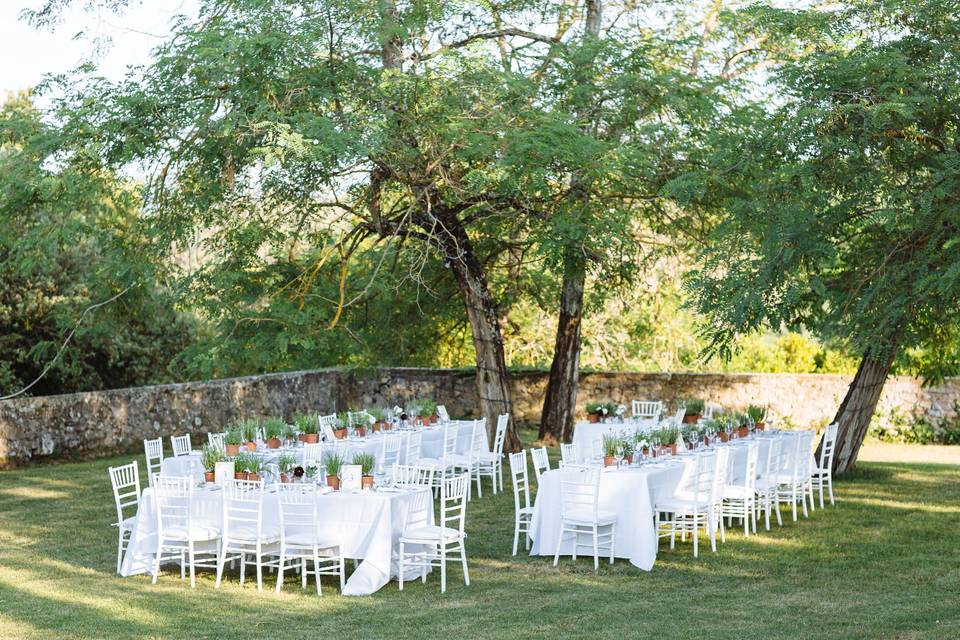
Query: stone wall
{"type": "Point", "coordinates": [91, 424]}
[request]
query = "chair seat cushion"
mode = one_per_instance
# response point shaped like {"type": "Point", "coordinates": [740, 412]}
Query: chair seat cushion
{"type": "Point", "coordinates": [585, 516]}
{"type": "Point", "coordinates": [430, 533]}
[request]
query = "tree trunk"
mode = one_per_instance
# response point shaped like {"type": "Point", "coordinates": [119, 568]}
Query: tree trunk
{"type": "Point", "coordinates": [560, 401]}
{"type": "Point", "coordinates": [493, 380]}
{"type": "Point", "coordinates": [856, 410]}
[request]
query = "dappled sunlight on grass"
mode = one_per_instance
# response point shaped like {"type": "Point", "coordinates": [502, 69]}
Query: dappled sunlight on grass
{"type": "Point", "coordinates": [34, 493]}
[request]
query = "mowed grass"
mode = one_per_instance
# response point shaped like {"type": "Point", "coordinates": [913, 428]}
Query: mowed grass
{"type": "Point", "coordinates": [884, 563]}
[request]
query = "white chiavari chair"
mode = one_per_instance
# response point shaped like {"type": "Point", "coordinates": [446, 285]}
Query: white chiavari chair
{"type": "Point", "coordinates": [569, 453]}
{"type": "Point", "coordinates": [406, 475]}
{"type": "Point", "coordinates": [177, 533]}
{"type": "Point", "coordinates": [823, 472]}
{"type": "Point", "coordinates": [523, 512]}
{"type": "Point", "coordinates": [244, 531]}
{"type": "Point", "coordinates": [300, 544]}
{"type": "Point", "coordinates": [153, 451]}
{"type": "Point", "coordinates": [442, 414]}
{"type": "Point", "coordinates": [447, 463]}
{"type": "Point", "coordinates": [390, 451]}
{"type": "Point", "coordinates": [126, 493]}
{"type": "Point", "coordinates": [646, 409]}
{"type": "Point", "coordinates": [490, 463]}
{"type": "Point", "coordinates": [312, 454]}
{"type": "Point", "coordinates": [580, 514]}
{"type": "Point", "coordinates": [412, 452]}
{"type": "Point", "coordinates": [794, 476]}
{"type": "Point", "coordinates": [739, 500]}
{"type": "Point", "coordinates": [181, 445]}
{"type": "Point", "coordinates": [767, 481]}
{"type": "Point", "coordinates": [541, 462]}
{"type": "Point", "coordinates": [216, 440]}
{"type": "Point", "coordinates": [432, 544]}
{"type": "Point", "coordinates": [691, 508]}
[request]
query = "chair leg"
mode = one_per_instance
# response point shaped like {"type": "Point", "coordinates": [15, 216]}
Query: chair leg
{"type": "Point", "coordinates": [696, 536]}
{"type": "Point", "coordinates": [222, 560]}
{"type": "Point", "coordinates": [820, 483]}
{"type": "Point", "coordinates": [156, 564]}
{"type": "Point", "coordinates": [516, 533]}
{"type": "Point", "coordinates": [830, 486]}
{"type": "Point", "coordinates": [463, 560]}
{"type": "Point", "coordinates": [316, 569]}
{"type": "Point", "coordinates": [119, 549]}
{"type": "Point", "coordinates": [303, 574]}
{"type": "Point", "coordinates": [556, 555]}
{"type": "Point", "coordinates": [283, 560]}
{"type": "Point", "coordinates": [259, 568]}
{"type": "Point", "coordinates": [193, 577]}
{"type": "Point", "coordinates": [443, 568]}
{"type": "Point", "coordinates": [613, 540]}
{"type": "Point", "coordinates": [596, 550]}
{"type": "Point", "coordinates": [399, 568]}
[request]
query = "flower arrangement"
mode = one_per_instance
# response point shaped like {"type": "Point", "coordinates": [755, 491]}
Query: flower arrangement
{"type": "Point", "coordinates": [308, 426]}
{"type": "Point", "coordinates": [600, 410]}
{"type": "Point", "coordinates": [254, 467]}
{"type": "Point", "coordinates": [428, 411]}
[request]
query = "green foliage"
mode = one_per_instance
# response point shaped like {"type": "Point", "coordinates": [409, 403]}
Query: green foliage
{"type": "Point", "coordinates": [366, 460]}
{"type": "Point", "coordinates": [273, 428]}
{"type": "Point", "coordinates": [306, 423]}
{"type": "Point", "coordinates": [248, 430]}
{"type": "Point", "coordinates": [915, 427]}
{"type": "Point", "coordinates": [210, 456]}
{"type": "Point", "coordinates": [756, 413]}
{"type": "Point", "coordinates": [286, 462]}
{"type": "Point", "coordinates": [332, 462]}
{"type": "Point", "coordinates": [693, 406]}
{"type": "Point", "coordinates": [233, 435]}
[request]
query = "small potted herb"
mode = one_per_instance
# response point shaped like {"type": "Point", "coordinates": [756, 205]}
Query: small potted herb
{"type": "Point", "coordinates": [628, 449]}
{"type": "Point", "coordinates": [254, 467]}
{"type": "Point", "coordinates": [668, 439]}
{"type": "Point", "coordinates": [248, 429]}
{"type": "Point", "coordinates": [240, 462]}
{"type": "Point", "coordinates": [285, 464]}
{"type": "Point", "coordinates": [359, 424]}
{"type": "Point", "coordinates": [289, 434]}
{"type": "Point", "coordinates": [428, 411]}
{"type": "Point", "coordinates": [610, 446]}
{"type": "Point", "coordinates": [331, 466]}
{"type": "Point", "coordinates": [758, 415]}
{"type": "Point", "coordinates": [640, 443]}
{"type": "Point", "coordinates": [377, 415]}
{"type": "Point", "coordinates": [209, 457]}
{"type": "Point", "coordinates": [343, 420]}
{"type": "Point", "coordinates": [595, 411]}
{"type": "Point", "coordinates": [232, 439]}
{"type": "Point", "coordinates": [272, 430]}
{"type": "Point", "coordinates": [310, 473]}
{"type": "Point", "coordinates": [366, 462]}
{"type": "Point", "coordinates": [308, 430]}
{"type": "Point", "coordinates": [694, 410]}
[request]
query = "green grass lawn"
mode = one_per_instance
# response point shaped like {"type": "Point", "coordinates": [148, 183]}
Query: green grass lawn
{"type": "Point", "coordinates": [884, 563]}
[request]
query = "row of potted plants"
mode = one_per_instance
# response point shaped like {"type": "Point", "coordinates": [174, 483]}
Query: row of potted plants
{"type": "Point", "coordinates": [249, 467]}
{"type": "Point", "coordinates": [597, 411]}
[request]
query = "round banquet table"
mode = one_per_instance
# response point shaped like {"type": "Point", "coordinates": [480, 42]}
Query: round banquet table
{"type": "Point", "coordinates": [367, 524]}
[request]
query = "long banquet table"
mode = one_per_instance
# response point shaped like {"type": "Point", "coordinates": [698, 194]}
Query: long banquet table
{"type": "Point", "coordinates": [367, 524]}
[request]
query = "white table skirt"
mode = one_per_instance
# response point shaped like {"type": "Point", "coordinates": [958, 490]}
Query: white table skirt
{"type": "Point", "coordinates": [630, 493]}
{"type": "Point", "coordinates": [367, 525]}
{"type": "Point", "coordinates": [432, 444]}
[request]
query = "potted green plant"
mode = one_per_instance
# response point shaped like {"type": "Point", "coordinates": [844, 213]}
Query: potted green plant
{"type": "Point", "coordinates": [694, 410]}
{"type": "Point", "coordinates": [232, 440]}
{"type": "Point", "coordinates": [209, 457]}
{"type": "Point", "coordinates": [240, 462]}
{"type": "Point", "coordinates": [668, 439]}
{"type": "Point", "coordinates": [359, 424]}
{"type": "Point", "coordinates": [331, 466]}
{"type": "Point", "coordinates": [310, 473]}
{"type": "Point", "coordinates": [708, 425]}
{"type": "Point", "coordinates": [366, 462]}
{"type": "Point", "coordinates": [610, 446]}
{"type": "Point", "coordinates": [286, 464]}
{"type": "Point", "coordinates": [377, 415]}
{"type": "Point", "coordinates": [640, 443]}
{"type": "Point", "coordinates": [595, 411]}
{"type": "Point", "coordinates": [308, 430]}
{"type": "Point", "coordinates": [272, 430]}
{"type": "Point", "coordinates": [248, 430]}
{"type": "Point", "coordinates": [254, 467]}
{"type": "Point", "coordinates": [628, 449]}
{"type": "Point", "coordinates": [289, 434]}
{"type": "Point", "coordinates": [758, 416]}
{"type": "Point", "coordinates": [428, 411]}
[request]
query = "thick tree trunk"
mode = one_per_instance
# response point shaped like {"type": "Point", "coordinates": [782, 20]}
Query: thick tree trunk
{"type": "Point", "coordinates": [493, 380]}
{"type": "Point", "coordinates": [560, 401]}
{"type": "Point", "coordinates": [856, 410]}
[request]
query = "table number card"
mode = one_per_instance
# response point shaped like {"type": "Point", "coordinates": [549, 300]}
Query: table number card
{"type": "Point", "coordinates": [350, 475]}
{"type": "Point", "coordinates": [223, 473]}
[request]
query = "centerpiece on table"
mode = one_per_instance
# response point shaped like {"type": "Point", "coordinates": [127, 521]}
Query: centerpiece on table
{"type": "Point", "coordinates": [286, 464]}
{"type": "Point", "coordinates": [308, 427]}
{"type": "Point", "coordinates": [598, 411]}
{"type": "Point", "coordinates": [343, 421]}
{"type": "Point", "coordinates": [668, 439]}
{"type": "Point", "coordinates": [757, 415]}
{"type": "Point", "coordinates": [289, 434]}
{"type": "Point", "coordinates": [240, 461]}
{"type": "Point", "coordinates": [248, 429]}
{"type": "Point", "coordinates": [428, 411]}
{"type": "Point", "coordinates": [254, 468]}
{"type": "Point", "coordinates": [232, 440]}
{"type": "Point", "coordinates": [377, 415]}
{"type": "Point", "coordinates": [331, 466]}
{"type": "Point", "coordinates": [272, 430]}
{"type": "Point", "coordinates": [611, 445]}
{"type": "Point", "coordinates": [693, 408]}
{"type": "Point", "coordinates": [366, 461]}
{"type": "Point", "coordinates": [641, 444]}
{"type": "Point", "coordinates": [209, 457]}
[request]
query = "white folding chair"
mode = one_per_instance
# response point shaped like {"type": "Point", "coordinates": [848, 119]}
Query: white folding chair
{"type": "Point", "coordinates": [126, 493]}
{"type": "Point", "coordinates": [327, 424]}
{"type": "Point", "coordinates": [177, 533]}
{"type": "Point", "coordinates": [794, 477]}
{"type": "Point", "coordinates": [312, 454]}
{"type": "Point", "coordinates": [412, 452]}
{"type": "Point", "coordinates": [390, 451]}
{"type": "Point", "coordinates": [153, 451]}
{"type": "Point", "coordinates": [299, 541]}
{"type": "Point", "coordinates": [739, 500]}
{"type": "Point", "coordinates": [216, 440]}
{"type": "Point", "coordinates": [244, 531]}
{"type": "Point", "coordinates": [691, 508]}
{"type": "Point", "coordinates": [570, 453]}
{"type": "Point", "coordinates": [823, 472]}
{"type": "Point", "coordinates": [433, 543]}
{"type": "Point", "coordinates": [580, 515]}
{"type": "Point", "coordinates": [523, 512]}
{"type": "Point", "coordinates": [541, 462]}
{"type": "Point", "coordinates": [446, 465]}
{"type": "Point", "coordinates": [766, 486]}
{"type": "Point", "coordinates": [181, 445]}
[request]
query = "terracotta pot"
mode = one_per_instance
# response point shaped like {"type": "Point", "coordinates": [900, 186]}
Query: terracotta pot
{"type": "Point", "coordinates": [629, 459]}
{"type": "Point", "coordinates": [333, 482]}
{"type": "Point", "coordinates": [274, 443]}
{"type": "Point", "coordinates": [232, 449]}
{"type": "Point", "coordinates": [253, 476]}
{"type": "Point", "coordinates": [360, 431]}
{"type": "Point", "coordinates": [723, 436]}
{"type": "Point", "coordinates": [376, 427]}
{"type": "Point", "coordinates": [301, 437]}
{"type": "Point", "coordinates": [434, 419]}
{"type": "Point", "coordinates": [284, 478]}
{"type": "Point", "coordinates": [744, 432]}
{"type": "Point", "coordinates": [209, 476]}
{"type": "Point", "coordinates": [366, 482]}
{"type": "Point", "coordinates": [593, 417]}
{"type": "Point", "coordinates": [609, 461]}
{"type": "Point", "coordinates": [239, 475]}
{"type": "Point", "coordinates": [339, 434]}
{"type": "Point", "coordinates": [672, 448]}
{"type": "Point", "coordinates": [251, 446]}
{"type": "Point", "coordinates": [386, 426]}
{"type": "Point", "coordinates": [759, 426]}
{"type": "Point", "coordinates": [693, 418]}
{"type": "Point", "coordinates": [646, 451]}
{"type": "Point", "coordinates": [310, 438]}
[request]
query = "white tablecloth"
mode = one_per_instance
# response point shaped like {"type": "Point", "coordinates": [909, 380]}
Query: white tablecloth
{"type": "Point", "coordinates": [432, 444]}
{"type": "Point", "coordinates": [585, 433]}
{"type": "Point", "coordinates": [367, 524]}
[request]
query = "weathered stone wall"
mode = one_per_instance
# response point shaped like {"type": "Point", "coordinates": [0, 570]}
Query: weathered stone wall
{"type": "Point", "coordinates": [97, 423]}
